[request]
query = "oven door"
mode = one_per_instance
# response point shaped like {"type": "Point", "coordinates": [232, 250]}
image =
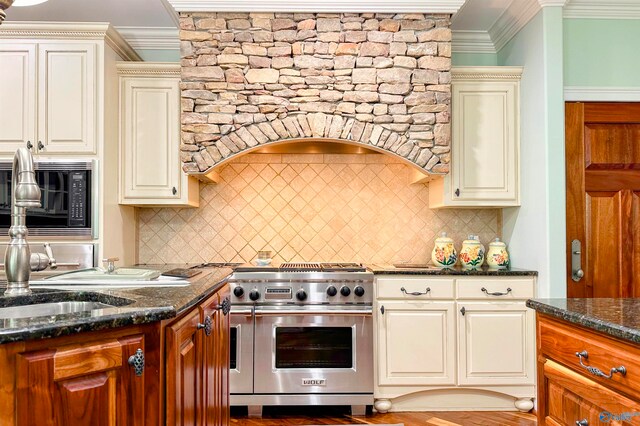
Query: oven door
{"type": "Point", "coordinates": [313, 350]}
{"type": "Point", "coordinates": [241, 350]}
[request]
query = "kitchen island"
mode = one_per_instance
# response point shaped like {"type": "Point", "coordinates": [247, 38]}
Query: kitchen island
{"type": "Point", "coordinates": [588, 361]}
{"type": "Point", "coordinates": [154, 356]}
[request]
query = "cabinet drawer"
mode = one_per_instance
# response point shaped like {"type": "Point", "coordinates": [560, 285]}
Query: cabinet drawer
{"type": "Point", "coordinates": [561, 343]}
{"type": "Point", "coordinates": [573, 398]}
{"type": "Point", "coordinates": [503, 288]}
{"type": "Point", "coordinates": [435, 288]}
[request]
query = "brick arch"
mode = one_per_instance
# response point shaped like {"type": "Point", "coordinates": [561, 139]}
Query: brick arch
{"type": "Point", "coordinates": [306, 126]}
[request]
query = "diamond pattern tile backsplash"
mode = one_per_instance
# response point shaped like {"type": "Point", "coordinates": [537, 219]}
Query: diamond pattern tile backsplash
{"type": "Point", "coordinates": [309, 207]}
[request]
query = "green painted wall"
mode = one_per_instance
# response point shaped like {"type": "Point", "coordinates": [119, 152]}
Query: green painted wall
{"type": "Point", "coordinates": [535, 231]}
{"type": "Point", "coordinates": [157, 55]}
{"type": "Point", "coordinates": [602, 52]}
{"type": "Point", "coordinates": [474, 59]}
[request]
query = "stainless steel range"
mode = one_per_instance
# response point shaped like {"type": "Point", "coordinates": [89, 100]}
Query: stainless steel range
{"type": "Point", "coordinates": [302, 334]}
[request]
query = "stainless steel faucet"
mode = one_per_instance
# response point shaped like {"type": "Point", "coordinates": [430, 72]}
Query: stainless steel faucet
{"type": "Point", "coordinates": [18, 259]}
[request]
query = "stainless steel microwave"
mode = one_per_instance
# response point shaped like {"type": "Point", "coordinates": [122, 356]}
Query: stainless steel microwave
{"type": "Point", "coordinates": [66, 202]}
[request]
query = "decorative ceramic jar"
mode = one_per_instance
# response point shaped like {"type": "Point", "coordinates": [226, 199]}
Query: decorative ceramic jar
{"type": "Point", "coordinates": [472, 253]}
{"type": "Point", "coordinates": [498, 256]}
{"type": "Point", "coordinates": [444, 253]}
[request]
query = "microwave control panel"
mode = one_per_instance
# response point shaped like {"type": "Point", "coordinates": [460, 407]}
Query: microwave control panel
{"type": "Point", "coordinates": [78, 199]}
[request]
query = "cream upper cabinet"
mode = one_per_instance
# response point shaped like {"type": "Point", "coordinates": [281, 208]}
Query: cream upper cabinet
{"type": "Point", "coordinates": [49, 100]}
{"type": "Point", "coordinates": [17, 95]}
{"type": "Point", "coordinates": [419, 341]}
{"type": "Point", "coordinates": [67, 98]}
{"type": "Point", "coordinates": [443, 337]}
{"type": "Point", "coordinates": [485, 158]}
{"type": "Point", "coordinates": [150, 167]}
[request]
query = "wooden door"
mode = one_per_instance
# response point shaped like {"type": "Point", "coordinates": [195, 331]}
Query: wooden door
{"type": "Point", "coordinates": [603, 203]}
{"type": "Point", "coordinates": [494, 343]}
{"type": "Point", "coordinates": [216, 362]}
{"type": "Point", "coordinates": [88, 384]}
{"type": "Point", "coordinates": [17, 96]}
{"type": "Point", "coordinates": [67, 98]}
{"type": "Point", "coordinates": [404, 359]}
{"type": "Point", "coordinates": [184, 371]}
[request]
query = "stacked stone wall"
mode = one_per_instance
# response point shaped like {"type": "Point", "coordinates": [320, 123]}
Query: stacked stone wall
{"type": "Point", "coordinates": [381, 80]}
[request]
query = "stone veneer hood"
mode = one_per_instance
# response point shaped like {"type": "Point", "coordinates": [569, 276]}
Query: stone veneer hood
{"type": "Point", "coordinates": [380, 80]}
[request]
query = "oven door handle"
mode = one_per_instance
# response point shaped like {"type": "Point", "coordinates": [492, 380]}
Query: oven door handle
{"type": "Point", "coordinates": [365, 312]}
{"type": "Point", "coordinates": [241, 311]}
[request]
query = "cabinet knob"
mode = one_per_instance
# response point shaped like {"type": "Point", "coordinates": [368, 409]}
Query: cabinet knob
{"type": "Point", "coordinates": [137, 362]}
{"type": "Point", "coordinates": [225, 306]}
{"type": "Point", "coordinates": [174, 191]}
{"type": "Point", "coordinates": [29, 145]}
{"type": "Point", "coordinates": [583, 422]}
{"type": "Point", "coordinates": [207, 326]}
{"type": "Point", "coordinates": [40, 145]}
{"type": "Point", "coordinates": [382, 309]}
{"type": "Point", "coordinates": [463, 311]}
{"type": "Point", "coordinates": [457, 192]}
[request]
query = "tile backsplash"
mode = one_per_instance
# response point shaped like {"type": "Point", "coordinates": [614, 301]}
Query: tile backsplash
{"type": "Point", "coordinates": [309, 207]}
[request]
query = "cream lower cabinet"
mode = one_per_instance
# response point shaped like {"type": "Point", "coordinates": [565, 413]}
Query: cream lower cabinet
{"type": "Point", "coordinates": [150, 168]}
{"type": "Point", "coordinates": [49, 97]}
{"type": "Point", "coordinates": [485, 140]}
{"type": "Point", "coordinates": [447, 343]}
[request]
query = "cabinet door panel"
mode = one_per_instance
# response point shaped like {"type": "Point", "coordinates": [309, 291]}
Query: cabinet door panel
{"type": "Point", "coordinates": [67, 84]}
{"type": "Point", "coordinates": [495, 341]}
{"type": "Point", "coordinates": [17, 96]}
{"type": "Point", "coordinates": [87, 384]}
{"type": "Point", "coordinates": [416, 343]}
{"type": "Point", "coordinates": [484, 156]}
{"type": "Point", "coordinates": [184, 372]}
{"type": "Point", "coordinates": [150, 161]}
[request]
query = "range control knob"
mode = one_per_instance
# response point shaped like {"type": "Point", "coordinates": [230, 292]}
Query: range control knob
{"type": "Point", "coordinates": [238, 291]}
{"type": "Point", "coordinates": [254, 295]}
{"type": "Point", "coordinates": [358, 291]}
{"type": "Point", "coordinates": [301, 295]}
{"type": "Point", "coordinates": [332, 291]}
{"type": "Point", "coordinates": [345, 291]}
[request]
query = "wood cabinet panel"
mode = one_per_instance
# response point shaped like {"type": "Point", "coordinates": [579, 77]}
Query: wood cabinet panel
{"type": "Point", "coordinates": [438, 288]}
{"type": "Point", "coordinates": [561, 342]}
{"type": "Point", "coordinates": [521, 288]}
{"type": "Point", "coordinates": [80, 384]}
{"type": "Point", "coordinates": [184, 371]}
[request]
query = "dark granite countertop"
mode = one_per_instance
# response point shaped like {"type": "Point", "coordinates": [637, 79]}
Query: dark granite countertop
{"type": "Point", "coordinates": [616, 317]}
{"type": "Point", "coordinates": [133, 306]}
{"type": "Point", "coordinates": [380, 269]}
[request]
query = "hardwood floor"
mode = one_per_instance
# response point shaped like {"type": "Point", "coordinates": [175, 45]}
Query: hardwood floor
{"type": "Point", "coordinates": [287, 416]}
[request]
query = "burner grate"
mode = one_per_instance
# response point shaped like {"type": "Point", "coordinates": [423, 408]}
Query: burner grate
{"type": "Point", "coordinates": [300, 266]}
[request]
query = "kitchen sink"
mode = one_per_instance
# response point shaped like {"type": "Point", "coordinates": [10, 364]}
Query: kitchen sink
{"type": "Point", "coordinates": [50, 309]}
{"type": "Point", "coordinates": [100, 274]}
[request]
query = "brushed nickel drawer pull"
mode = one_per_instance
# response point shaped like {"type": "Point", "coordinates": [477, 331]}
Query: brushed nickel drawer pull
{"type": "Point", "coordinates": [596, 371]}
{"type": "Point", "coordinates": [583, 422]}
{"type": "Point", "coordinates": [415, 293]}
{"type": "Point", "coordinates": [495, 293]}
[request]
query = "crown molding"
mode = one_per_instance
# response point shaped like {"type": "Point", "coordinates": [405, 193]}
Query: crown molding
{"type": "Point", "coordinates": [597, 9]}
{"type": "Point", "coordinates": [157, 38]}
{"type": "Point", "coordinates": [99, 31]}
{"type": "Point", "coordinates": [472, 42]}
{"type": "Point", "coordinates": [172, 12]}
{"type": "Point", "coordinates": [512, 20]}
{"type": "Point", "coordinates": [557, 3]}
{"type": "Point", "coordinates": [318, 6]}
{"type": "Point", "coordinates": [486, 73]}
{"type": "Point", "coordinates": [601, 94]}
{"type": "Point", "coordinates": [148, 69]}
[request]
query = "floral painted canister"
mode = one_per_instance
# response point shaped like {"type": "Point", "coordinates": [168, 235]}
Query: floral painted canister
{"type": "Point", "coordinates": [498, 256]}
{"type": "Point", "coordinates": [472, 253]}
{"type": "Point", "coordinates": [444, 253]}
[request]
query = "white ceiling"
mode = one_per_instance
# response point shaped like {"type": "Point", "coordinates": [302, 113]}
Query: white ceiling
{"type": "Point", "coordinates": [120, 13]}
